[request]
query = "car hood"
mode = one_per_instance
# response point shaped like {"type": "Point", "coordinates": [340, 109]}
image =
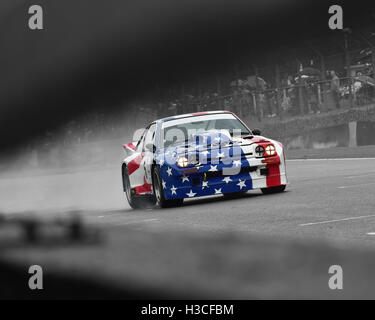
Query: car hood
{"type": "Point", "coordinates": [210, 141]}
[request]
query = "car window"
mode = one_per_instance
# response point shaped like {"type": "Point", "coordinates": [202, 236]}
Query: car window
{"type": "Point", "coordinates": [211, 125]}
{"type": "Point", "coordinates": [178, 130]}
{"type": "Point", "coordinates": [149, 136]}
{"type": "Point", "coordinates": [140, 142]}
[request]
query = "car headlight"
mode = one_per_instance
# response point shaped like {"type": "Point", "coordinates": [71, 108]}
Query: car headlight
{"type": "Point", "coordinates": [270, 150]}
{"type": "Point", "coordinates": [259, 151]}
{"type": "Point", "coordinates": [182, 162]}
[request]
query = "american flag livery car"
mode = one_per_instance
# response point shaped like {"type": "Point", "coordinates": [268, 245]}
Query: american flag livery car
{"type": "Point", "coordinates": [200, 154]}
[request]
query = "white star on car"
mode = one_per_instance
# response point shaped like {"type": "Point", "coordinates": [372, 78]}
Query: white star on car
{"type": "Point", "coordinates": [220, 154]}
{"type": "Point", "coordinates": [241, 184]}
{"type": "Point", "coordinates": [161, 162]}
{"type": "Point", "coordinates": [185, 178]}
{"type": "Point", "coordinates": [213, 168]}
{"type": "Point", "coordinates": [237, 163]}
{"type": "Point", "coordinates": [173, 189]}
{"type": "Point", "coordinates": [218, 191]}
{"type": "Point", "coordinates": [204, 184]}
{"type": "Point", "coordinates": [169, 171]}
{"type": "Point", "coordinates": [227, 179]}
{"type": "Point", "coordinates": [191, 194]}
{"type": "Point", "coordinates": [164, 184]}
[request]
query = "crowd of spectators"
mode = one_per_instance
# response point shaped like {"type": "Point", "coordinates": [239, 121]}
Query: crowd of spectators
{"type": "Point", "coordinates": [306, 92]}
{"type": "Point", "coordinates": [253, 95]}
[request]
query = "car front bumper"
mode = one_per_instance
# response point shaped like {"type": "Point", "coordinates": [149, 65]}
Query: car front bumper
{"type": "Point", "coordinates": [220, 179]}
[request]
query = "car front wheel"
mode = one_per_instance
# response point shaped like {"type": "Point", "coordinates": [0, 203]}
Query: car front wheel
{"type": "Point", "coordinates": [159, 193]}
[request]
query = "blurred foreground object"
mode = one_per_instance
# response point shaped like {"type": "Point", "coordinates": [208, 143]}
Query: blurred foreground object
{"type": "Point", "coordinates": [27, 229]}
{"type": "Point", "coordinates": [146, 264]}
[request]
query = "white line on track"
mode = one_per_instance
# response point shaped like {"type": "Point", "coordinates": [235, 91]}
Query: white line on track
{"type": "Point", "coordinates": [370, 233]}
{"type": "Point", "coordinates": [338, 220]}
{"type": "Point", "coordinates": [361, 175]}
{"type": "Point", "coordinates": [356, 185]}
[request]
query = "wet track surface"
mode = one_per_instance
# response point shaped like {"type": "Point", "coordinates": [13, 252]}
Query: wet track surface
{"type": "Point", "coordinates": [331, 200]}
{"type": "Point", "coordinates": [256, 246]}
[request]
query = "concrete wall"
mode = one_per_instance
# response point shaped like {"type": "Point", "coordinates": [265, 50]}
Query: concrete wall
{"type": "Point", "coordinates": [352, 134]}
{"type": "Point", "coordinates": [350, 127]}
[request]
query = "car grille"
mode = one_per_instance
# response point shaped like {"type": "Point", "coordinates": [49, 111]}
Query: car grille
{"type": "Point", "coordinates": [218, 174]}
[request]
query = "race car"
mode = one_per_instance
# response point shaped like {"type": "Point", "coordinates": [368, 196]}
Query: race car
{"type": "Point", "coordinates": [200, 154]}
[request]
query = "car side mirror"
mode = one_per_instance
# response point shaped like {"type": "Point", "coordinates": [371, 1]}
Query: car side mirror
{"type": "Point", "coordinates": [150, 147]}
{"type": "Point", "coordinates": [256, 132]}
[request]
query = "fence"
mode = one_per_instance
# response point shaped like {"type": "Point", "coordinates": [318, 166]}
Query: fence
{"type": "Point", "coordinates": [298, 99]}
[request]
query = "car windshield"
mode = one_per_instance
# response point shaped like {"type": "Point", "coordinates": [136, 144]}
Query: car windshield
{"type": "Point", "coordinates": [181, 130]}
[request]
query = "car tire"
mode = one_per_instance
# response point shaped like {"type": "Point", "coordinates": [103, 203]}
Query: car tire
{"type": "Point", "coordinates": [157, 186]}
{"type": "Point", "coordinates": [135, 201]}
{"type": "Point", "coordinates": [273, 190]}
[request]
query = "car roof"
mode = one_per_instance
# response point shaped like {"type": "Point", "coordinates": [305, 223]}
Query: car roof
{"type": "Point", "coordinates": [188, 115]}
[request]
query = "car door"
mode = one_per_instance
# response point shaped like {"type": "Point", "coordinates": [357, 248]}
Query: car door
{"type": "Point", "coordinates": [148, 153]}
{"type": "Point", "coordinates": [140, 163]}
{"type": "Point", "coordinates": [134, 165]}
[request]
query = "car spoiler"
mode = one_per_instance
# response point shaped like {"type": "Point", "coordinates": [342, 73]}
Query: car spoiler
{"type": "Point", "coordinates": [129, 147]}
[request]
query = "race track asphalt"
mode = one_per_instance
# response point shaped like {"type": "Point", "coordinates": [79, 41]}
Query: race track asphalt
{"type": "Point", "coordinates": [329, 200]}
